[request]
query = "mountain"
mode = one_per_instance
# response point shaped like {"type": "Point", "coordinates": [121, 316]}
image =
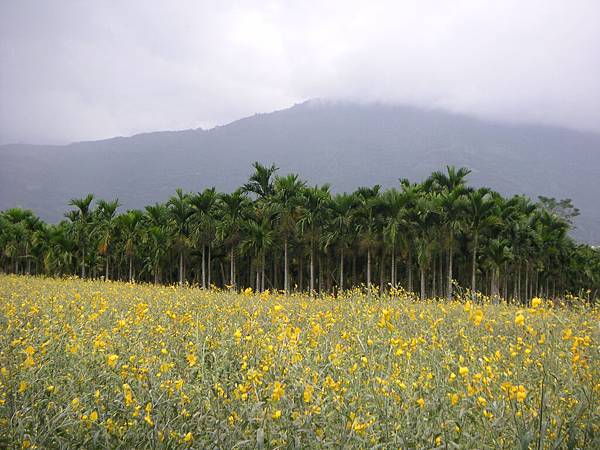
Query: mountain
{"type": "Point", "coordinates": [345, 144]}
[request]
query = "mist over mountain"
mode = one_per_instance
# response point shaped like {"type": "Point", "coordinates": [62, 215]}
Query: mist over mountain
{"type": "Point", "coordinates": [345, 144]}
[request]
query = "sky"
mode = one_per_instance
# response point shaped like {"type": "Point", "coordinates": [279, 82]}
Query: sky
{"type": "Point", "coordinates": [83, 70]}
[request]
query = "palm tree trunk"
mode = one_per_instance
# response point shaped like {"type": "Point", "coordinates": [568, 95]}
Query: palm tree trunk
{"type": "Point", "coordinates": [422, 283]}
{"type": "Point", "coordinates": [495, 285]}
{"type": "Point", "coordinates": [106, 273]}
{"type": "Point", "coordinates": [449, 291]}
{"type": "Point", "coordinates": [526, 296]}
{"type": "Point", "coordinates": [262, 275]}
{"type": "Point", "coordinates": [231, 266]}
{"type": "Point", "coordinates": [312, 269]}
{"type": "Point", "coordinates": [208, 280]}
{"type": "Point", "coordinates": [433, 278]}
{"type": "Point", "coordinates": [130, 268]}
{"type": "Point", "coordinates": [474, 265]}
{"type": "Point", "coordinates": [519, 284]}
{"type": "Point", "coordinates": [341, 269]}
{"type": "Point", "coordinates": [393, 268]}
{"type": "Point", "coordinates": [181, 268]}
{"type": "Point", "coordinates": [286, 286]}
{"type": "Point", "coordinates": [320, 275]}
{"type": "Point", "coordinates": [28, 258]}
{"type": "Point", "coordinates": [257, 285]}
{"type": "Point", "coordinates": [301, 273]}
{"type": "Point", "coordinates": [369, 269]}
{"type": "Point", "coordinates": [203, 266]}
{"type": "Point", "coordinates": [409, 268]}
{"type": "Point", "coordinates": [381, 273]}
{"type": "Point", "coordinates": [83, 262]}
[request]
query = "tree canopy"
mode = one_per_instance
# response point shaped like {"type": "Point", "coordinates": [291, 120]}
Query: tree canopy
{"type": "Point", "coordinates": [276, 232]}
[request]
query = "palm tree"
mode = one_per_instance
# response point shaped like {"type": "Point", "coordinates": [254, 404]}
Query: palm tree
{"type": "Point", "coordinates": [340, 227]}
{"type": "Point", "coordinates": [180, 211]}
{"type": "Point", "coordinates": [368, 199]}
{"type": "Point", "coordinates": [440, 218]}
{"type": "Point", "coordinates": [105, 229]}
{"type": "Point", "coordinates": [260, 182]}
{"type": "Point", "coordinates": [81, 222]}
{"type": "Point", "coordinates": [452, 187]}
{"type": "Point", "coordinates": [286, 205]}
{"type": "Point", "coordinates": [313, 217]}
{"type": "Point", "coordinates": [130, 225]}
{"type": "Point", "coordinates": [157, 240]}
{"type": "Point", "coordinates": [480, 215]}
{"type": "Point", "coordinates": [258, 239]}
{"type": "Point", "coordinates": [203, 206]}
{"type": "Point", "coordinates": [498, 253]}
{"type": "Point", "coordinates": [18, 228]}
{"type": "Point", "coordinates": [427, 211]}
{"type": "Point", "coordinates": [232, 213]}
{"type": "Point", "coordinates": [395, 221]}
{"type": "Point", "coordinates": [411, 192]}
{"type": "Point", "coordinates": [58, 259]}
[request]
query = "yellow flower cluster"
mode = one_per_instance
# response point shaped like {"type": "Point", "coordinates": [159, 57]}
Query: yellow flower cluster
{"type": "Point", "coordinates": [107, 364]}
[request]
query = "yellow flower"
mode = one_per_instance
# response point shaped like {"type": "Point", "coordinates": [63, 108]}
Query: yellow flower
{"type": "Point", "coordinates": [188, 437]}
{"type": "Point", "coordinates": [454, 398]}
{"type": "Point", "coordinates": [111, 360]}
{"type": "Point", "coordinates": [148, 420]}
{"type": "Point", "coordinates": [478, 317]}
{"type": "Point", "coordinates": [127, 394]}
{"type": "Point", "coordinates": [278, 391]}
{"type": "Point", "coordinates": [191, 359]}
{"type": "Point", "coordinates": [308, 393]}
{"type": "Point", "coordinates": [566, 335]}
{"type": "Point", "coordinates": [421, 403]}
{"type": "Point", "coordinates": [463, 371]}
{"type": "Point", "coordinates": [237, 335]}
{"type": "Point", "coordinates": [29, 362]}
{"type": "Point", "coordinates": [276, 414]}
{"type": "Point", "coordinates": [536, 302]}
{"type": "Point", "coordinates": [521, 393]}
{"type": "Point", "coordinates": [94, 416]}
{"type": "Point", "coordinates": [482, 401]}
{"type": "Point", "coordinates": [519, 320]}
{"type": "Point", "coordinates": [75, 403]}
{"type": "Point", "coordinates": [23, 385]}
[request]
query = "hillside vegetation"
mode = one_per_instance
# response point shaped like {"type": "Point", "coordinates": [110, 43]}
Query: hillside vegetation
{"type": "Point", "coordinates": [348, 145]}
{"type": "Point", "coordinates": [277, 232]}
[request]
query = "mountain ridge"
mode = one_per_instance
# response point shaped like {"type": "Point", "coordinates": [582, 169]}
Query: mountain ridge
{"type": "Point", "coordinates": [342, 143]}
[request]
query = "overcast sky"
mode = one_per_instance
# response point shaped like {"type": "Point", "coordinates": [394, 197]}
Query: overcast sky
{"type": "Point", "coordinates": [78, 70]}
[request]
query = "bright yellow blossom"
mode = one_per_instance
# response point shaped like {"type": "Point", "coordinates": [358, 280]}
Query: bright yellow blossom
{"type": "Point", "coordinates": [278, 391]}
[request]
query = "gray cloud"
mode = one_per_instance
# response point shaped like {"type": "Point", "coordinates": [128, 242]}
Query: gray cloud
{"type": "Point", "coordinates": [73, 70]}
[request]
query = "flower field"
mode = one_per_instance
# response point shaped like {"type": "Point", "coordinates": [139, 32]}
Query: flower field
{"type": "Point", "coordinates": [90, 364]}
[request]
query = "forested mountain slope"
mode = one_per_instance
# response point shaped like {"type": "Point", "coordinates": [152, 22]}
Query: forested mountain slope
{"type": "Point", "coordinates": [345, 144]}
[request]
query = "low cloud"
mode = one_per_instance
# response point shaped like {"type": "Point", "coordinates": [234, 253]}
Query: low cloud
{"type": "Point", "coordinates": [74, 70]}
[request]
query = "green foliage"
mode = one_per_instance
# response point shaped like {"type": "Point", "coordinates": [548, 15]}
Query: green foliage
{"type": "Point", "coordinates": [276, 232]}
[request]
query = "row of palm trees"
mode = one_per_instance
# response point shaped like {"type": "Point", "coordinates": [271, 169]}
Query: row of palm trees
{"type": "Point", "coordinates": [276, 232]}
